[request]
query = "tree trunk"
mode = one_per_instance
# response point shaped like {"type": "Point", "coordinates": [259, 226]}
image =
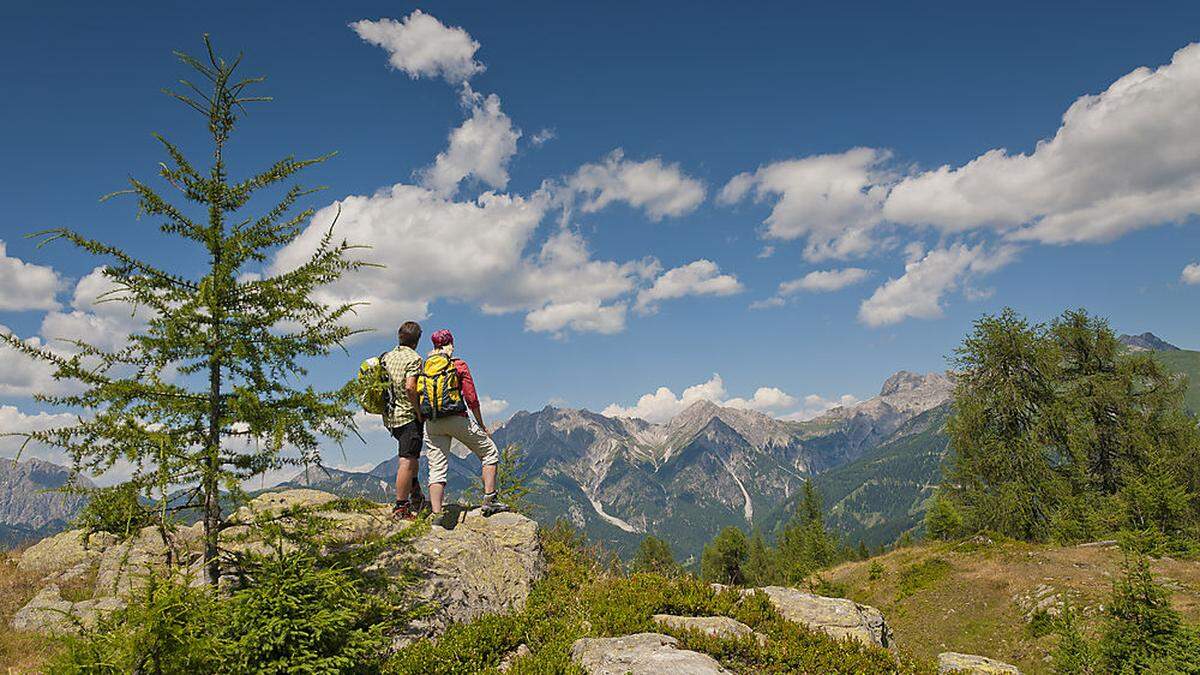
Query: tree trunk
{"type": "Point", "coordinates": [211, 485]}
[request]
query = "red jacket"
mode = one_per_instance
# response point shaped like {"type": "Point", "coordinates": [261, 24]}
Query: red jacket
{"type": "Point", "coordinates": [467, 385]}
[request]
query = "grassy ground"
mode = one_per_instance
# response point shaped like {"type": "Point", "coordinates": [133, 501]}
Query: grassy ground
{"type": "Point", "coordinates": [964, 597]}
{"type": "Point", "coordinates": [20, 651]}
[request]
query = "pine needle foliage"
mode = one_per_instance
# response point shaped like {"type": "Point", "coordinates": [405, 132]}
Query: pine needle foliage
{"type": "Point", "coordinates": [1059, 433]}
{"type": "Point", "coordinates": [209, 392]}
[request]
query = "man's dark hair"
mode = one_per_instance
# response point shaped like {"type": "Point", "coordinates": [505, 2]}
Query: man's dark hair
{"type": "Point", "coordinates": [410, 334]}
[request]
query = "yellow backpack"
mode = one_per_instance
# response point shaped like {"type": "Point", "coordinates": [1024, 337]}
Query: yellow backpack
{"type": "Point", "coordinates": [439, 388]}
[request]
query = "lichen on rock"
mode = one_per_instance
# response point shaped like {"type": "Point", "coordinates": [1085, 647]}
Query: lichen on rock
{"type": "Point", "coordinates": [641, 654]}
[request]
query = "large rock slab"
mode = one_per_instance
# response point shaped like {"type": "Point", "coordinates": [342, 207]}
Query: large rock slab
{"type": "Point", "coordinates": [479, 565]}
{"type": "Point", "coordinates": [641, 654]}
{"type": "Point", "coordinates": [48, 612]}
{"type": "Point", "coordinates": [54, 556]}
{"type": "Point", "coordinates": [838, 617]}
{"type": "Point", "coordinates": [970, 664]}
{"type": "Point", "coordinates": [714, 626]}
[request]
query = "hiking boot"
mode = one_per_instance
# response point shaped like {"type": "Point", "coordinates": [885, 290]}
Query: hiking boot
{"type": "Point", "coordinates": [493, 506]}
{"type": "Point", "coordinates": [437, 520]}
{"type": "Point", "coordinates": [417, 501]}
{"type": "Point", "coordinates": [402, 511]}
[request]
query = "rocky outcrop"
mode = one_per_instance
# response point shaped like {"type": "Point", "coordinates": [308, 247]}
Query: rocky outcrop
{"type": "Point", "coordinates": [48, 612]}
{"type": "Point", "coordinates": [471, 567]}
{"type": "Point", "coordinates": [969, 664]}
{"type": "Point", "coordinates": [835, 616]}
{"type": "Point", "coordinates": [641, 654]}
{"type": "Point", "coordinates": [64, 553]}
{"type": "Point", "coordinates": [475, 566]}
{"type": "Point", "coordinates": [714, 626]}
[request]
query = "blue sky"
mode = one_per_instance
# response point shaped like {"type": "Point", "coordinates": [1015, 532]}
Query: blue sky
{"type": "Point", "coordinates": [894, 152]}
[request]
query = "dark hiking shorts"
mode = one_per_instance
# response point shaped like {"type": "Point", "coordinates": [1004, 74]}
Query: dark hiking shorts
{"type": "Point", "coordinates": [410, 437]}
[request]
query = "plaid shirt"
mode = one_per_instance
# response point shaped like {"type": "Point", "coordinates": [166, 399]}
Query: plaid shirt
{"type": "Point", "coordinates": [401, 363]}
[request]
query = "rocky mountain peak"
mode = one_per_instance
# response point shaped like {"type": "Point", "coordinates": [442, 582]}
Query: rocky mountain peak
{"type": "Point", "coordinates": [1147, 342]}
{"type": "Point", "coordinates": [904, 380]}
{"type": "Point", "coordinates": [28, 496]}
{"type": "Point", "coordinates": [915, 392]}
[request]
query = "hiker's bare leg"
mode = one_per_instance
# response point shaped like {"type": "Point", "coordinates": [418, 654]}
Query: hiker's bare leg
{"type": "Point", "coordinates": [437, 492]}
{"type": "Point", "coordinates": [489, 478]}
{"type": "Point", "coordinates": [404, 478]}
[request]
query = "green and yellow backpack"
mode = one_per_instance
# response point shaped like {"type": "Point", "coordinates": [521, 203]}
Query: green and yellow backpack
{"type": "Point", "coordinates": [439, 388]}
{"type": "Point", "coordinates": [374, 386]}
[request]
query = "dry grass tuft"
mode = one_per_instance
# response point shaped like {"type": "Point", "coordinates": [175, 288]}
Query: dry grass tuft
{"type": "Point", "coordinates": [20, 651]}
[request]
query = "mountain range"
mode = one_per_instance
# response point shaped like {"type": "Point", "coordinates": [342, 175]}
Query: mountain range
{"type": "Point", "coordinates": [685, 479]}
{"type": "Point", "coordinates": [30, 505]}
{"type": "Point", "coordinates": [1147, 342]}
{"type": "Point", "coordinates": [875, 463]}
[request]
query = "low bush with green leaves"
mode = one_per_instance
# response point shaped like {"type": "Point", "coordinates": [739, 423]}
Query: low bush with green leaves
{"type": "Point", "coordinates": [582, 596]}
{"type": "Point", "coordinates": [116, 510]}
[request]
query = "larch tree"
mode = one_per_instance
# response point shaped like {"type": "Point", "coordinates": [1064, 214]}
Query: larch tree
{"type": "Point", "coordinates": [210, 392]}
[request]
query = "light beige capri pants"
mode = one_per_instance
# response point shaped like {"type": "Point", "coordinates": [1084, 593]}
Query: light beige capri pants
{"type": "Point", "coordinates": [440, 432]}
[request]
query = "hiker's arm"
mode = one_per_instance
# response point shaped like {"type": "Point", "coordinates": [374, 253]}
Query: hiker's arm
{"type": "Point", "coordinates": [470, 396]}
{"type": "Point", "coordinates": [410, 390]}
{"type": "Point", "coordinates": [479, 418]}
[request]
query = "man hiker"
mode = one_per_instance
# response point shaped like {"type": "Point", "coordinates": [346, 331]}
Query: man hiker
{"type": "Point", "coordinates": [447, 392]}
{"type": "Point", "coordinates": [403, 418]}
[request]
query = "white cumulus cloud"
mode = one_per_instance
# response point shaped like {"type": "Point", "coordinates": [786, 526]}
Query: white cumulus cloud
{"type": "Point", "coordinates": [822, 281]}
{"type": "Point", "coordinates": [97, 315]}
{"type": "Point", "coordinates": [815, 405]}
{"type": "Point", "coordinates": [25, 286]}
{"type": "Point", "coordinates": [1123, 159]}
{"type": "Point", "coordinates": [422, 46]}
{"type": "Point", "coordinates": [543, 137]}
{"type": "Point", "coordinates": [21, 375]}
{"type": "Point", "coordinates": [832, 201]}
{"type": "Point", "coordinates": [13, 420]}
{"type": "Point", "coordinates": [492, 407]}
{"type": "Point", "coordinates": [1190, 274]}
{"type": "Point", "coordinates": [663, 404]}
{"type": "Point", "coordinates": [482, 251]}
{"type": "Point", "coordinates": [480, 148]}
{"type": "Point", "coordinates": [701, 277]}
{"type": "Point", "coordinates": [659, 188]}
{"type": "Point", "coordinates": [927, 278]}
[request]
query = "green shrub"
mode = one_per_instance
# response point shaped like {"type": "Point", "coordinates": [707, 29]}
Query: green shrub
{"type": "Point", "coordinates": [296, 616]}
{"type": "Point", "coordinates": [117, 510]}
{"type": "Point", "coordinates": [721, 561]}
{"type": "Point", "coordinates": [300, 617]}
{"type": "Point", "coordinates": [943, 520]}
{"type": "Point", "coordinates": [919, 576]}
{"type": "Point", "coordinates": [819, 585]}
{"type": "Point", "coordinates": [304, 608]}
{"type": "Point", "coordinates": [1141, 632]}
{"type": "Point", "coordinates": [1040, 623]}
{"type": "Point", "coordinates": [875, 571]}
{"type": "Point", "coordinates": [654, 555]}
{"type": "Point", "coordinates": [167, 627]}
{"type": "Point", "coordinates": [1074, 654]}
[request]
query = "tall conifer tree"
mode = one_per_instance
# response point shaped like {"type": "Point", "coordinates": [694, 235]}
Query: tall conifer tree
{"type": "Point", "coordinates": [211, 392]}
